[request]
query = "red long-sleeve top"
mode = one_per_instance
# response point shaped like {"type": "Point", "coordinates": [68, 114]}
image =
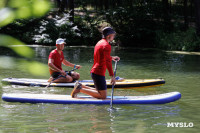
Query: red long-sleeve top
{"type": "Point", "coordinates": [102, 58]}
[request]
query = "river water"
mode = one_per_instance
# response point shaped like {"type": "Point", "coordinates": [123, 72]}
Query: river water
{"type": "Point", "coordinates": [181, 72]}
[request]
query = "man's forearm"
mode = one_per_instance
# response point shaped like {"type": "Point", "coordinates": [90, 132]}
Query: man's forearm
{"type": "Point", "coordinates": [67, 63]}
{"type": "Point", "coordinates": [53, 67]}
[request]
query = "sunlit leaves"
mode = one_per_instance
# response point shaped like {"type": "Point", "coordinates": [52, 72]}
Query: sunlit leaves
{"type": "Point", "coordinates": [21, 9]}
{"type": "Point", "coordinates": [6, 16]}
{"type": "Point", "coordinates": [18, 3]}
{"type": "Point", "coordinates": [34, 68]}
{"type": "Point", "coordinates": [40, 7]}
{"type": "Point", "coordinates": [23, 12]}
{"type": "Point", "coordinates": [16, 45]}
{"type": "Point", "coordinates": [31, 67]}
{"type": "Point", "coordinates": [2, 3]}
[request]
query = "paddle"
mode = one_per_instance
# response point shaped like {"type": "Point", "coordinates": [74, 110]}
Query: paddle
{"type": "Point", "coordinates": [111, 102]}
{"type": "Point", "coordinates": [59, 77]}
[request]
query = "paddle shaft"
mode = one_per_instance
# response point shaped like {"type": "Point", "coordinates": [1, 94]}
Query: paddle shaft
{"type": "Point", "coordinates": [111, 102]}
{"type": "Point", "coordinates": [59, 77]}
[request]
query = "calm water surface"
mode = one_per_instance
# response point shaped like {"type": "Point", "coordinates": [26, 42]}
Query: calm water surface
{"type": "Point", "coordinates": [181, 72]}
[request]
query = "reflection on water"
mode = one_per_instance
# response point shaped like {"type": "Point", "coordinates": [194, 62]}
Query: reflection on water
{"type": "Point", "coordinates": [181, 72]}
{"type": "Point", "coordinates": [89, 118]}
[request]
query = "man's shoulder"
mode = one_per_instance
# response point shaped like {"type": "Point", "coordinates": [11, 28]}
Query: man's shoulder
{"type": "Point", "coordinates": [103, 43]}
{"type": "Point", "coordinates": [53, 51]}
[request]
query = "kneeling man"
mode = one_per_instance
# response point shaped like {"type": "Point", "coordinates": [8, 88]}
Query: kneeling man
{"type": "Point", "coordinates": [56, 59]}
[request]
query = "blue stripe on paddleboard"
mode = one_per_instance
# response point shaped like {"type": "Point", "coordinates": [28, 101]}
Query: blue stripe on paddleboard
{"type": "Point", "coordinates": [117, 100]}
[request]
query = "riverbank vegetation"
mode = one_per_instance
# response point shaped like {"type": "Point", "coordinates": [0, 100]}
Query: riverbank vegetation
{"type": "Point", "coordinates": [164, 24]}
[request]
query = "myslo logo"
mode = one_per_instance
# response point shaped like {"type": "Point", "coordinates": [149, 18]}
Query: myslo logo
{"type": "Point", "coordinates": [180, 124]}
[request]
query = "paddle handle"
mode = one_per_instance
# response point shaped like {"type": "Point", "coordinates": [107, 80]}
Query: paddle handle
{"type": "Point", "coordinates": [111, 102]}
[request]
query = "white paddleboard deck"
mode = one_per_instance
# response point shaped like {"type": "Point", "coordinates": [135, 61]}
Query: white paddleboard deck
{"type": "Point", "coordinates": [126, 83]}
{"type": "Point", "coordinates": [66, 99]}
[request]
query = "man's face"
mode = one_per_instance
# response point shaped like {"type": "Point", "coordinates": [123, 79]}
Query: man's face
{"type": "Point", "coordinates": [60, 46]}
{"type": "Point", "coordinates": [111, 37]}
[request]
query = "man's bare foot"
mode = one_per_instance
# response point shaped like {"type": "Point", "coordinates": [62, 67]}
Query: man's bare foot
{"type": "Point", "coordinates": [76, 90]}
{"type": "Point", "coordinates": [50, 79]}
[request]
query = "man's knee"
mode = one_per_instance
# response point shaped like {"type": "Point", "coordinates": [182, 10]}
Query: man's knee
{"type": "Point", "coordinates": [103, 94]}
{"type": "Point", "coordinates": [69, 78]}
{"type": "Point", "coordinates": [103, 97]}
{"type": "Point", "coordinates": [75, 76]}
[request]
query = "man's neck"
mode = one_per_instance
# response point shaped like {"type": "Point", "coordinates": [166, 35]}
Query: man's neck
{"type": "Point", "coordinates": [59, 51]}
{"type": "Point", "coordinates": [107, 40]}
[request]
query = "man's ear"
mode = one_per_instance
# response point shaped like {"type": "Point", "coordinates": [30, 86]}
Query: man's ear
{"type": "Point", "coordinates": [107, 37]}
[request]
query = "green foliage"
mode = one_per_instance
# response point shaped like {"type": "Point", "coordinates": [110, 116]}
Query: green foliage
{"type": "Point", "coordinates": [16, 45]}
{"type": "Point", "coordinates": [22, 30]}
{"type": "Point", "coordinates": [45, 30]}
{"type": "Point", "coordinates": [7, 16]}
{"type": "Point", "coordinates": [134, 25]}
{"type": "Point", "coordinates": [34, 68]}
{"type": "Point", "coordinates": [179, 40]}
{"type": "Point", "coordinates": [21, 9]}
{"type": "Point", "coordinates": [143, 25]}
{"type": "Point", "coordinates": [137, 23]}
{"type": "Point", "coordinates": [88, 25]}
{"type": "Point", "coordinates": [84, 30]}
{"type": "Point", "coordinates": [57, 27]}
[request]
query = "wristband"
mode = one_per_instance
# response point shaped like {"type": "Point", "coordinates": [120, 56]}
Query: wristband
{"type": "Point", "coordinates": [74, 66]}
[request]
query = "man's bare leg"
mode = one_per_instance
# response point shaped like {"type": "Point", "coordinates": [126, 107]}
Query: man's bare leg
{"type": "Point", "coordinates": [68, 79]}
{"type": "Point", "coordinates": [101, 94]}
{"type": "Point", "coordinates": [50, 79]}
{"type": "Point", "coordinates": [75, 75]}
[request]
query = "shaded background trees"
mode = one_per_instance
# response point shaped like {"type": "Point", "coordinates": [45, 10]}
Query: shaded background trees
{"type": "Point", "coordinates": [166, 24]}
{"type": "Point", "coordinates": [197, 9]}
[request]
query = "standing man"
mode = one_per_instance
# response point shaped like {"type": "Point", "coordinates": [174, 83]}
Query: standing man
{"type": "Point", "coordinates": [56, 59]}
{"type": "Point", "coordinates": [102, 61]}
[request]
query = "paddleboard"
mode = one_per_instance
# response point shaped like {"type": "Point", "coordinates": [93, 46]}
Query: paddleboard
{"type": "Point", "coordinates": [66, 99]}
{"type": "Point", "coordinates": [125, 83]}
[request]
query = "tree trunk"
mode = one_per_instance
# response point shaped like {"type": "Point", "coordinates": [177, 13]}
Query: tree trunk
{"type": "Point", "coordinates": [197, 10]}
{"type": "Point", "coordinates": [113, 3]}
{"type": "Point", "coordinates": [191, 8]}
{"type": "Point", "coordinates": [106, 4]}
{"type": "Point", "coordinates": [186, 22]}
{"type": "Point", "coordinates": [58, 3]}
{"type": "Point", "coordinates": [62, 4]}
{"type": "Point", "coordinates": [71, 8]}
{"type": "Point", "coordinates": [101, 4]}
{"type": "Point", "coordinates": [96, 6]}
{"type": "Point", "coordinates": [166, 16]}
{"type": "Point", "coordinates": [119, 3]}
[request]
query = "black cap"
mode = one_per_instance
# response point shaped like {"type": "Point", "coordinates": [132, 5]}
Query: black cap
{"type": "Point", "coordinates": [107, 31]}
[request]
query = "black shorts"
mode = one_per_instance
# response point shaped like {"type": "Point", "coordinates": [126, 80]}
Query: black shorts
{"type": "Point", "coordinates": [57, 74]}
{"type": "Point", "coordinates": [99, 81]}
